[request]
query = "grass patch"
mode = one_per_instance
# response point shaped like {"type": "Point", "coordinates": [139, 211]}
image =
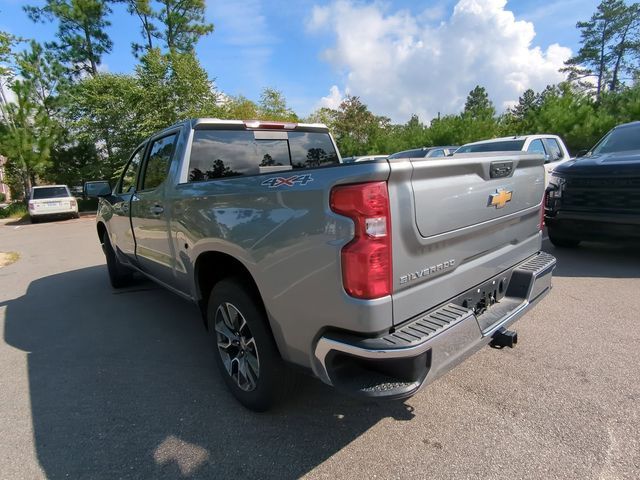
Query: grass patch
{"type": "Point", "coordinates": [14, 210]}
{"type": "Point", "coordinates": [8, 258]}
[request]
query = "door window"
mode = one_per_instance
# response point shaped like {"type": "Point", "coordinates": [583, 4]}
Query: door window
{"type": "Point", "coordinates": [437, 153]}
{"type": "Point", "coordinates": [536, 146]}
{"type": "Point", "coordinates": [157, 166]}
{"type": "Point", "coordinates": [128, 180]}
{"type": "Point", "coordinates": [555, 152]}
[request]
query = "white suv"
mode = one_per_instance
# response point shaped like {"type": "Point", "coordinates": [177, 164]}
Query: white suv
{"type": "Point", "coordinates": [551, 146]}
{"type": "Point", "coordinates": [52, 200]}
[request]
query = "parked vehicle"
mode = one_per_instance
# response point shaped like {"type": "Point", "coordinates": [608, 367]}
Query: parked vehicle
{"type": "Point", "coordinates": [551, 146]}
{"type": "Point", "coordinates": [377, 277]}
{"type": "Point", "coordinates": [597, 196]}
{"type": "Point", "coordinates": [50, 201]}
{"type": "Point", "coordinates": [425, 152]}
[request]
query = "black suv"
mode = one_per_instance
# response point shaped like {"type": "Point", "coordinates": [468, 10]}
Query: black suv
{"type": "Point", "coordinates": [597, 196]}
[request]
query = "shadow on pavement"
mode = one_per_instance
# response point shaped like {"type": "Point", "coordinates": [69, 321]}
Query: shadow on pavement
{"type": "Point", "coordinates": [596, 260]}
{"type": "Point", "coordinates": [123, 385]}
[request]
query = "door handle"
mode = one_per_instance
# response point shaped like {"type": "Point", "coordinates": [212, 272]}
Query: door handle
{"type": "Point", "coordinates": [157, 209]}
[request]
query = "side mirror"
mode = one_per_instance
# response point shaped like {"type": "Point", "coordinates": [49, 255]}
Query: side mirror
{"type": "Point", "coordinates": [95, 189]}
{"type": "Point", "coordinates": [582, 153]}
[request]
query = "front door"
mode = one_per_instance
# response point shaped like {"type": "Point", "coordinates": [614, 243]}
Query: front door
{"type": "Point", "coordinates": [149, 219]}
{"type": "Point", "coordinates": [120, 224]}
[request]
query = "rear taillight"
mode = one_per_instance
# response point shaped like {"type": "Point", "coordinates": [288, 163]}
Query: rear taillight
{"type": "Point", "coordinates": [366, 260]}
{"type": "Point", "coordinates": [73, 203]}
{"type": "Point", "coordinates": [32, 205]}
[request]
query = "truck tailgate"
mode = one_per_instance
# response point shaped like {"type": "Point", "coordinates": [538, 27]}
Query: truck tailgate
{"type": "Point", "coordinates": [459, 221]}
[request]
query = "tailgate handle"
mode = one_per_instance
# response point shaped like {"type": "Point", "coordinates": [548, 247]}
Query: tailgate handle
{"type": "Point", "coordinates": [501, 169]}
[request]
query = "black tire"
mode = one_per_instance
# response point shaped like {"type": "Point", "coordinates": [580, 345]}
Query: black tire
{"type": "Point", "coordinates": [76, 215]}
{"type": "Point", "coordinates": [119, 275]}
{"type": "Point", "coordinates": [34, 219]}
{"type": "Point", "coordinates": [273, 380]}
{"type": "Point", "coordinates": [562, 241]}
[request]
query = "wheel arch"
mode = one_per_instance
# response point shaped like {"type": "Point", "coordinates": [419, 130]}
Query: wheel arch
{"type": "Point", "coordinates": [213, 266]}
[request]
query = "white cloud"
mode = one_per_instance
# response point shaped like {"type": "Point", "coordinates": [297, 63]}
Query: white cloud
{"type": "Point", "coordinates": [333, 100]}
{"type": "Point", "coordinates": [401, 64]}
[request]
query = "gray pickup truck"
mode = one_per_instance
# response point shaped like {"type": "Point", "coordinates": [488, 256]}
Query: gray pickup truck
{"type": "Point", "coordinates": [377, 277]}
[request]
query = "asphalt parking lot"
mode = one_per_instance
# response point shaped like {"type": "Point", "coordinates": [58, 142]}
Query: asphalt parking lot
{"type": "Point", "coordinates": [96, 383]}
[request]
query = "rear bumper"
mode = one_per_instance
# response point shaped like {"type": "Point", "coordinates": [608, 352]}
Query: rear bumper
{"type": "Point", "coordinates": [398, 364]}
{"type": "Point", "coordinates": [53, 212]}
{"type": "Point", "coordinates": [594, 226]}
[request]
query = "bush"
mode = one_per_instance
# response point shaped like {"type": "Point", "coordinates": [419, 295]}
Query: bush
{"type": "Point", "coordinates": [14, 210]}
{"type": "Point", "coordinates": [2, 197]}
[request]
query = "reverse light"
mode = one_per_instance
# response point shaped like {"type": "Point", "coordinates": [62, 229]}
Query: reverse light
{"type": "Point", "coordinates": [366, 260]}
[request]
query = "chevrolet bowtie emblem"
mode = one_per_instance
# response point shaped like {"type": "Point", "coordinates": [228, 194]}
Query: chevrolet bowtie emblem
{"type": "Point", "coordinates": [500, 198]}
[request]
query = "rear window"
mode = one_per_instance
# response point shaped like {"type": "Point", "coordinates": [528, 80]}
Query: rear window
{"type": "Point", "coordinates": [506, 146]}
{"type": "Point", "coordinates": [50, 192]}
{"type": "Point", "coordinates": [231, 153]}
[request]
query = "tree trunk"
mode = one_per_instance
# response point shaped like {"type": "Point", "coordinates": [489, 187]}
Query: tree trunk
{"type": "Point", "coordinates": [90, 54]}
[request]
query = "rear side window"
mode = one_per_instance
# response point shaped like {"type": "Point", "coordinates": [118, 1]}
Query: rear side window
{"type": "Point", "coordinates": [555, 152]}
{"type": "Point", "coordinates": [536, 146]}
{"type": "Point", "coordinates": [437, 153]}
{"type": "Point", "coordinates": [157, 166]}
{"type": "Point", "coordinates": [230, 153]}
{"type": "Point", "coordinates": [50, 192]}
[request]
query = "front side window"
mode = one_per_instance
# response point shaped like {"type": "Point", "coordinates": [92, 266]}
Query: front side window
{"type": "Point", "coordinates": [157, 166]}
{"type": "Point", "coordinates": [219, 154]}
{"type": "Point", "coordinates": [130, 175]}
{"type": "Point", "coordinates": [437, 153]}
{"type": "Point", "coordinates": [555, 152]}
{"type": "Point", "coordinates": [536, 146]}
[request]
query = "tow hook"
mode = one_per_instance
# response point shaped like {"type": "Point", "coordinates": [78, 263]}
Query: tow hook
{"type": "Point", "coordinates": [504, 338]}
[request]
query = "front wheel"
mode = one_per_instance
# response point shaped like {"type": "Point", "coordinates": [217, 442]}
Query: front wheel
{"type": "Point", "coordinates": [245, 351]}
{"type": "Point", "coordinates": [561, 240]}
{"type": "Point", "coordinates": [119, 275]}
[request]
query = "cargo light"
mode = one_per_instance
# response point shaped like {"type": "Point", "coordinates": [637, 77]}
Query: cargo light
{"type": "Point", "coordinates": [366, 260]}
{"type": "Point", "coordinates": [270, 125]}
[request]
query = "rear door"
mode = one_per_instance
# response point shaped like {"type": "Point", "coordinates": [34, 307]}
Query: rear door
{"type": "Point", "coordinates": [149, 219]}
{"type": "Point", "coordinates": [120, 222]}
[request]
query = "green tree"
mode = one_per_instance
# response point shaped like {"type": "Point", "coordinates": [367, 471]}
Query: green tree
{"type": "Point", "coordinates": [102, 111]}
{"type": "Point", "coordinates": [173, 86]}
{"type": "Point", "coordinates": [478, 106]}
{"type": "Point", "coordinates": [607, 41]}
{"type": "Point", "coordinates": [82, 38]}
{"type": "Point", "coordinates": [273, 106]}
{"type": "Point", "coordinates": [356, 129]}
{"type": "Point", "coordinates": [239, 107]}
{"type": "Point", "coordinates": [142, 9]}
{"type": "Point", "coordinates": [183, 24]}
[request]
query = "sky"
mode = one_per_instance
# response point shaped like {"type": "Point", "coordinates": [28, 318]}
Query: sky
{"type": "Point", "coordinates": [400, 57]}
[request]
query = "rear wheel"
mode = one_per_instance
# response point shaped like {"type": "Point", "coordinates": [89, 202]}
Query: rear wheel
{"type": "Point", "coordinates": [34, 219]}
{"type": "Point", "coordinates": [119, 275]}
{"type": "Point", "coordinates": [562, 241]}
{"type": "Point", "coordinates": [245, 351]}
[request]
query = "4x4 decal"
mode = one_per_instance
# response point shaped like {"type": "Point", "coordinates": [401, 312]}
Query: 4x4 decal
{"type": "Point", "coordinates": [288, 181]}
